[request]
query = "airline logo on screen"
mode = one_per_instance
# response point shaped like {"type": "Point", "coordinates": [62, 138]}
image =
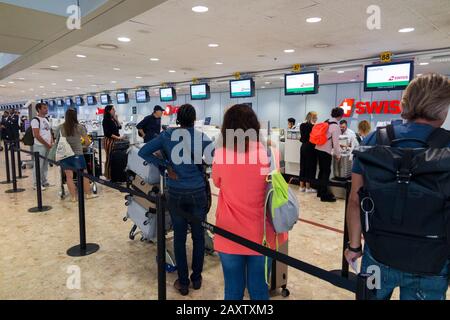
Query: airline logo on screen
{"type": "Point", "coordinates": [367, 107]}
{"type": "Point", "coordinates": [170, 110]}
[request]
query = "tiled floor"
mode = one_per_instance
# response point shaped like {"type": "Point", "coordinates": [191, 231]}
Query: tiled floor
{"type": "Point", "coordinates": [34, 264]}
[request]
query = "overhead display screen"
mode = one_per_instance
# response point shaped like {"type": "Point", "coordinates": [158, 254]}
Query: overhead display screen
{"type": "Point", "coordinates": [122, 97]}
{"type": "Point", "coordinates": [105, 99]}
{"type": "Point", "coordinates": [142, 96]}
{"type": "Point", "coordinates": [391, 76]}
{"type": "Point", "coordinates": [79, 101]}
{"type": "Point", "coordinates": [167, 94]}
{"type": "Point", "coordinates": [242, 88]}
{"type": "Point", "coordinates": [91, 100]}
{"type": "Point", "coordinates": [200, 92]}
{"type": "Point", "coordinates": [301, 83]}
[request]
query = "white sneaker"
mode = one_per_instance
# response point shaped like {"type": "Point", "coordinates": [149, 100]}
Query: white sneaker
{"type": "Point", "coordinates": [310, 190]}
{"type": "Point", "coordinates": [42, 188]}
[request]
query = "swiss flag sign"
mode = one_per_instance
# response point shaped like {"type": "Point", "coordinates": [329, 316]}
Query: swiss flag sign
{"type": "Point", "coordinates": [347, 105]}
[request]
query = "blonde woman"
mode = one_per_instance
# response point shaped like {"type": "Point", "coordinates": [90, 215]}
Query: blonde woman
{"type": "Point", "coordinates": [364, 129]}
{"type": "Point", "coordinates": [308, 153]}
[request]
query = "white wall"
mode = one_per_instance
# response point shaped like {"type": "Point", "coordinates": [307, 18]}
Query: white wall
{"type": "Point", "coordinates": [270, 104]}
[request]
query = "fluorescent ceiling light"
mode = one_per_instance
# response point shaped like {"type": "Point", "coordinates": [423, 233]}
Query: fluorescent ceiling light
{"type": "Point", "coordinates": [114, 81]}
{"type": "Point", "coordinates": [263, 87]}
{"type": "Point", "coordinates": [424, 63]}
{"type": "Point", "coordinates": [200, 9]}
{"type": "Point", "coordinates": [138, 77]}
{"type": "Point", "coordinates": [172, 71]}
{"type": "Point", "coordinates": [53, 84]}
{"type": "Point", "coordinates": [116, 69]}
{"type": "Point", "coordinates": [406, 30]}
{"type": "Point", "coordinates": [124, 39]}
{"type": "Point", "coordinates": [11, 82]}
{"type": "Point", "coordinates": [289, 51]}
{"type": "Point", "coordinates": [219, 63]}
{"type": "Point", "coordinates": [213, 45]}
{"type": "Point", "coordinates": [69, 80]}
{"type": "Point", "coordinates": [22, 79]}
{"type": "Point", "coordinates": [313, 20]}
{"type": "Point", "coordinates": [54, 67]}
{"type": "Point", "coordinates": [42, 87]}
{"type": "Point", "coordinates": [154, 59]}
{"type": "Point", "coordinates": [341, 71]}
{"type": "Point", "coordinates": [81, 56]}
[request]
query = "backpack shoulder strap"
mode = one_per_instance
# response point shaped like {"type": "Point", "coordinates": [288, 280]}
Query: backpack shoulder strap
{"type": "Point", "coordinates": [385, 135]}
{"type": "Point", "coordinates": [439, 138]}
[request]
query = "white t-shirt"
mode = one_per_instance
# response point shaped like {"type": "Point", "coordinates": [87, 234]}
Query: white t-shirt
{"type": "Point", "coordinates": [44, 130]}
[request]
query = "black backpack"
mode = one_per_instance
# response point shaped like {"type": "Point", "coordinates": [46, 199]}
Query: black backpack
{"type": "Point", "coordinates": [28, 137]}
{"type": "Point", "coordinates": [405, 201]}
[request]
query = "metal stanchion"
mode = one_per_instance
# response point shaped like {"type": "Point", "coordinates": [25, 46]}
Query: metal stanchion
{"type": "Point", "coordinates": [362, 290]}
{"type": "Point", "coordinates": [19, 162]}
{"type": "Point", "coordinates": [8, 175]}
{"type": "Point", "coordinates": [83, 249]}
{"type": "Point", "coordinates": [344, 272]}
{"type": "Point", "coordinates": [100, 156]}
{"type": "Point", "coordinates": [37, 168]}
{"type": "Point", "coordinates": [161, 243]}
{"type": "Point", "coordinates": [13, 169]}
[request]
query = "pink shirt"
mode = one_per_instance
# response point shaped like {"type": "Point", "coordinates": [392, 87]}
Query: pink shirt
{"type": "Point", "coordinates": [334, 132]}
{"type": "Point", "coordinates": [240, 209]}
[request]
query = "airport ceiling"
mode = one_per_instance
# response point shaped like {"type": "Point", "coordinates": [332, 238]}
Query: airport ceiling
{"type": "Point", "coordinates": [252, 36]}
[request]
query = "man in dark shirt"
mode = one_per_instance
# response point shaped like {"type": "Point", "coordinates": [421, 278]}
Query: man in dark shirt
{"type": "Point", "coordinates": [150, 127]}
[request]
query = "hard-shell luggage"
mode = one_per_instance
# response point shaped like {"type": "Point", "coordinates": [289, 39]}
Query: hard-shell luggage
{"type": "Point", "coordinates": [149, 173]}
{"type": "Point", "coordinates": [138, 184]}
{"type": "Point", "coordinates": [118, 163]}
{"type": "Point", "coordinates": [279, 274]}
{"type": "Point", "coordinates": [343, 167]}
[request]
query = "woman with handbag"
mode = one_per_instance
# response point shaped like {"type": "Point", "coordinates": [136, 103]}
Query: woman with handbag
{"type": "Point", "coordinates": [240, 169]}
{"type": "Point", "coordinates": [111, 127]}
{"type": "Point", "coordinates": [187, 189]}
{"type": "Point", "coordinates": [70, 133]}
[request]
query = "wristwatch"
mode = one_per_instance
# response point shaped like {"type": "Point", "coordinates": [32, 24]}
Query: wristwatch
{"type": "Point", "coordinates": [355, 250]}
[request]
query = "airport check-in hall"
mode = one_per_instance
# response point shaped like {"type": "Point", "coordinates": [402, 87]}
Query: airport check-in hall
{"type": "Point", "coordinates": [224, 150]}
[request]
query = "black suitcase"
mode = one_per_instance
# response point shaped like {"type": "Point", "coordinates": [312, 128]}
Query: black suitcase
{"type": "Point", "coordinates": [118, 164]}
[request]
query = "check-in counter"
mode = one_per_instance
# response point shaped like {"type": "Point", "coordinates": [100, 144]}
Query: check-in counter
{"type": "Point", "coordinates": [292, 147]}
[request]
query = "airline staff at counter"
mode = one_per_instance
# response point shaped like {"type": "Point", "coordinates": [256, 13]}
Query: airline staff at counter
{"type": "Point", "coordinates": [150, 127]}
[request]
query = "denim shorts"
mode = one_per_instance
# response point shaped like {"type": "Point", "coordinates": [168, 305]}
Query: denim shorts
{"type": "Point", "coordinates": [75, 162]}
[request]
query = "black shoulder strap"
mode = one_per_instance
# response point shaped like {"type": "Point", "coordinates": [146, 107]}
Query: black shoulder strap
{"type": "Point", "coordinates": [38, 120]}
{"type": "Point", "coordinates": [439, 138]}
{"type": "Point", "coordinates": [385, 135]}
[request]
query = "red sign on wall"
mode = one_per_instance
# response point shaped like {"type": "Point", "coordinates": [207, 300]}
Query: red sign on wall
{"type": "Point", "coordinates": [374, 107]}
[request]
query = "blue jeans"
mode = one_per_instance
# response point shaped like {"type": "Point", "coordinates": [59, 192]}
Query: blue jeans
{"type": "Point", "coordinates": [195, 203]}
{"type": "Point", "coordinates": [412, 286]}
{"type": "Point", "coordinates": [241, 271]}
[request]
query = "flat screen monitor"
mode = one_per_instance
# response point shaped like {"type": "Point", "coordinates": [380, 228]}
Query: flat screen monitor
{"type": "Point", "coordinates": [68, 102]}
{"type": "Point", "coordinates": [301, 83]}
{"type": "Point", "coordinates": [51, 103]}
{"type": "Point", "coordinates": [142, 96]}
{"type": "Point", "coordinates": [167, 94]}
{"type": "Point", "coordinates": [389, 76]}
{"type": "Point", "coordinates": [79, 101]}
{"type": "Point", "coordinates": [60, 103]}
{"type": "Point", "coordinates": [122, 97]}
{"type": "Point", "coordinates": [91, 100]}
{"type": "Point", "coordinates": [200, 92]}
{"type": "Point", "coordinates": [105, 99]}
{"type": "Point", "coordinates": [242, 88]}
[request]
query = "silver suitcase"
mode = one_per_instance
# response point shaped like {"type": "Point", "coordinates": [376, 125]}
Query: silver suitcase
{"type": "Point", "coordinates": [149, 173]}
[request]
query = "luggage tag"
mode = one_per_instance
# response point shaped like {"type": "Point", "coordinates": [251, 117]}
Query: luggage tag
{"type": "Point", "coordinates": [367, 211]}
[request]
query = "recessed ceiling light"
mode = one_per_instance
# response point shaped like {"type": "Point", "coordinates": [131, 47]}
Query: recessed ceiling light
{"type": "Point", "coordinates": [154, 59]}
{"type": "Point", "coordinates": [69, 80]}
{"type": "Point", "coordinates": [289, 51]}
{"type": "Point", "coordinates": [219, 63]}
{"type": "Point", "coordinates": [341, 71]}
{"type": "Point", "coordinates": [172, 71]}
{"type": "Point", "coordinates": [42, 87]}
{"type": "Point", "coordinates": [406, 30]}
{"type": "Point", "coordinates": [21, 79]}
{"type": "Point", "coordinates": [138, 77]}
{"type": "Point", "coordinates": [213, 45]}
{"type": "Point", "coordinates": [424, 63]}
{"type": "Point", "coordinates": [54, 67]}
{"type": "Point", "coordinates": [321, 45]}
{"type": "Point", "coordinates": [313, 20]}
{"type": "Point", "coordinates": [116, 69]}
{"type": "Point", "coordinates": [124, 39]}
{"type": "Point", "coordinates": [107, 46]}
{"type": "Point", "coordinates": [268, 82]}
{"type": "Point", "coordinates": [81, 56]}
{"type": "Point", "coordinates": [11, 82]}
{"type": "Point", "coordinates": [2, 85]}
{"type": "Point", "coordinates": [114, 81]}
{"type": "Point", "coordinates": [200, 9]}
{"type": "Point", "coordinates": [93, 85]}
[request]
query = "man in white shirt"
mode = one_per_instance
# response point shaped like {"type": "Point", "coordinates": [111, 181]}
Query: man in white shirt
{"type": "Point", "coordinates": [43, 142]}
{"type": "Point", "coordinates": [347, 132]}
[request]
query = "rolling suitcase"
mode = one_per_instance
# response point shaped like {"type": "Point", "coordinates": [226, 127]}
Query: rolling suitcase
{"type": "Point", "coordinates": [279, 274]}
{"type": "Point", "coordinates": [118, 164]}
{"type": "Point", "coordinates": [149, 173]}
{"type": "Point", "coordinates": [137, 183]}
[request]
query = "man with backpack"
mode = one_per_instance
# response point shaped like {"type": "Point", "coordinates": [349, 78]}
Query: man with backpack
{"type": "Point", "coordinates": [400, 198]}
{"type": "Point", "coordinates": [326, 138]}
{"type": "Point", "coordinates": [43, 141]}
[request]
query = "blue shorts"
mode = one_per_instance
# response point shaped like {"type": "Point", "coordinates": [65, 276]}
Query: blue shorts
{"type": "Point", "coordinates": [76, 162]}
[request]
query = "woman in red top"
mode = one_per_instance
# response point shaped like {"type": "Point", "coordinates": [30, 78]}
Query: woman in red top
{"type": "Point", "coordinates": [240, 169]}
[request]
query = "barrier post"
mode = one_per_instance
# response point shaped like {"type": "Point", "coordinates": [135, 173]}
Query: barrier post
{"type": "Point", "coordinates": [100, 156]}
{"type": "Point", "coordinates": [83, 249]}
{"type": "Point", "coordinates": [37, 169]}
{"type": "Point", "coordinates": [362, 290]}
{"type": "Point", "coordinates": [8, 176]}
{"type": "Point", "coordinates": [19, 162]}
{"type": "Point", "coordinates": [13, 169]}
{"type": "Point", "coordinates": [161, 243]}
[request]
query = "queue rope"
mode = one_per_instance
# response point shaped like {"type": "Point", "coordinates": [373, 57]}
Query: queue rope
{"type": "Point", "coordinates": [338, 281]}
